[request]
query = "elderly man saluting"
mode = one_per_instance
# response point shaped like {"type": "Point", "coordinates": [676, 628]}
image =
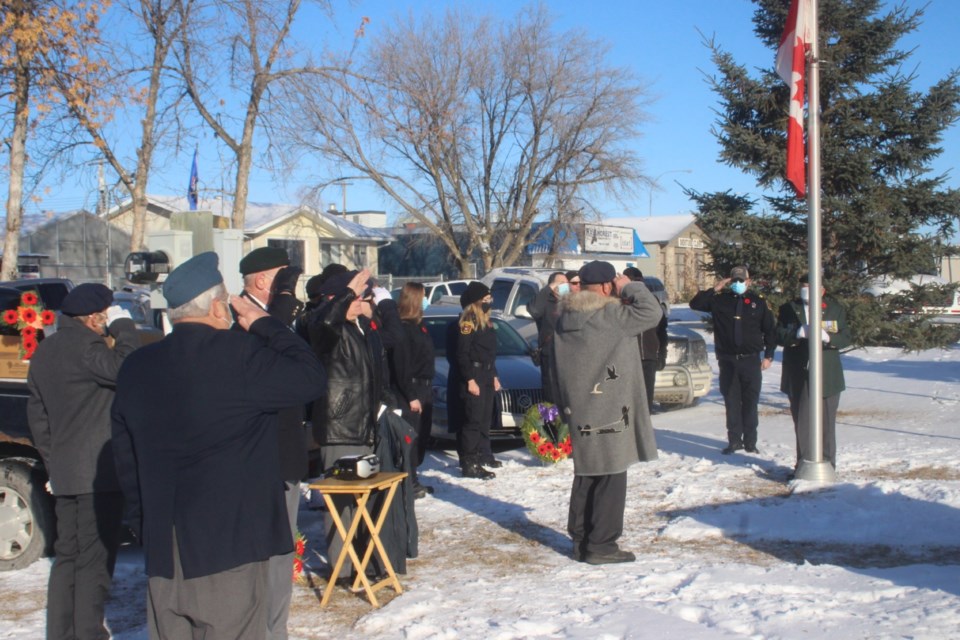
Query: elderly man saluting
{"type": "Point", "coordinates": [602, 398]}
{"type": "Point", "coordinates": [195, 438]}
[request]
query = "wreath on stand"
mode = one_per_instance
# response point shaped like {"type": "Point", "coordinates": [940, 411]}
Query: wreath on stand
{"type": "Point", "coordinates": [546, 435]}
{"type": "Point", "coordinates": [299, 547]}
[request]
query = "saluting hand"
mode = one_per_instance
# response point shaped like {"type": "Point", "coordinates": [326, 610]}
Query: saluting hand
{"type": "Point", "coordinates": [359, 282]}
{"type": "Point", "coordinates": [247, 312]}
{"type": "Point", "coordinates": [720, 285]}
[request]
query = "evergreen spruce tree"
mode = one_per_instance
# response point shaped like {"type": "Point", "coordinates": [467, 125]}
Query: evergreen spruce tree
{"type": "Point", "coordinates": [883, 213]}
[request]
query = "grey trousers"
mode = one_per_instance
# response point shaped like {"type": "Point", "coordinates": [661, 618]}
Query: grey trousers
{"type": "Point", "coordinates": [230, 605]}
{"type": "Point", "coordinates": [281, 573]}
{"type": "Point", "coordinates": [800, 410]}
{"type": "Point", "coordinates": [595, 520]}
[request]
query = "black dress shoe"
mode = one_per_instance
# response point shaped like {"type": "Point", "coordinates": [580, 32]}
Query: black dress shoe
{"type": "Point", "coordinates": [609, 558]}
{"type": "Point", "coordinates": [474, 470]}
{"type": "Point", "coordinates": [731, 448]}
{"type": "Point", "coordinates": [751, 448]}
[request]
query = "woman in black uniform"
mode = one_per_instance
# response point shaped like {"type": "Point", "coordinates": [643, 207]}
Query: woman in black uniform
{"type": "Point", "coordinates": [476, 361]}
{"type": "Point", "coordinates": [413, 371]}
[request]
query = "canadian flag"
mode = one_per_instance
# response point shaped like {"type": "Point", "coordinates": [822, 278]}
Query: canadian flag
{"type": "Point", "coordinates": [791, 66]}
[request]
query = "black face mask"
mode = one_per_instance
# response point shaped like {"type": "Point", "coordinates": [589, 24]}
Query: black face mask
{"type": "Point", "coordinates": [485, 306]}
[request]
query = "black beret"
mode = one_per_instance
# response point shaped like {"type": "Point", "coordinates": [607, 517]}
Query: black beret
{"type": "Point", "coordinates": [633, 273]}
{"type": "Point", "coordinates": [262, 259]}
{"type": "Point", "coordinates": [87, 298]}
{"type": "Point", "coordinates": [474, 292]}
{"type": "Point", "coordinates": [597, 272]}
{"type": "Point", "coordinates": [336, 284]}
{"type": "Point", "coordinates": [192, 278]}
{"type": "Point", "coordinates": [313, 286]}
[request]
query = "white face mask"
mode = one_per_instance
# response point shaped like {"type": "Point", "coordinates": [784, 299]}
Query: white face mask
{"type": "Point", "coordinates": [563, 289]}
{"type": "Point", "coordinates": [739, 288]}
{"type": "Point", "coordinates": [805, 294]}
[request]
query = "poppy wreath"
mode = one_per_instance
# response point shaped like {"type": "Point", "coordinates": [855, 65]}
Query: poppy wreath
{"type": "Point", "coordinates": [28, 318]}
{"type": "Point", "coordinates": [547, 437]}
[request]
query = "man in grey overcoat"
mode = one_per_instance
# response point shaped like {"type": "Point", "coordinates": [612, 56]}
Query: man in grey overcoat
{"type": "Point", "coordinates": [602, 399]}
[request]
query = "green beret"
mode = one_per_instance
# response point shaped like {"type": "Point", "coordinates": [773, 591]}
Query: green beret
{"type": "Point", "coordinates": [262, 259]}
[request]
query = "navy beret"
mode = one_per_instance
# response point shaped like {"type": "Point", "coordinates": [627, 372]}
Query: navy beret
{"type": "Point", "coordinates": [474, 292]}
{"type": "Point", "coordinates": [597, 272]}
{"type": "Point", "coordinates": [192, 278]}
{"type": "Point", "coordinates": [87, 298]}
{"type": "Point", "coordinates": [262, 259]}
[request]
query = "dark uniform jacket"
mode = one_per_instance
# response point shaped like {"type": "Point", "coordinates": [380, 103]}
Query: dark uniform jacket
{"type": "Point", "coordinates": [796, 351]}
{"type": "Point", "coordinates": [477, 354]}
{"type": "Point", "coordinates": [653, 342]}
{"type": "Point", "coordinates": [353, 355]}
{"type": "Point", "coordinates": [291, 434]}
{"type": "Point", "coordinates": [413, 363]}
{"type": "Point", "coordinates": [545, 309]}
{"type": "Point", "coordinates": [195, 437]}
{"type": "Point", "coordinates": [72, 379]}
{"type": "Point", "coordinates": [750, 311]}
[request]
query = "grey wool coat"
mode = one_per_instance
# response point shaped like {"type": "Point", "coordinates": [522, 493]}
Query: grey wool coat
{"type": "Point", "coordinates": [600, 378]}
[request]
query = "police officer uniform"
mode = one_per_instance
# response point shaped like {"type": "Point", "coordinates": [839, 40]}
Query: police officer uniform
{"type": "Point", "coordinates": [476, 360]}
{"type": "Point", "coordinates": [744, 329]}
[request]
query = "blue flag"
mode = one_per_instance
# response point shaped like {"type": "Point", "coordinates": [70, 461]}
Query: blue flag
{"type": "Point", "coordinates": [192, 187]}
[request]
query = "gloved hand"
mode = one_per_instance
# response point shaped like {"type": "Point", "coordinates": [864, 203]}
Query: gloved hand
{"type": "Point", "coordinates": [115, 312]}
{"type": "Point", "coordinates": [380, 294]}
{"type": "Point", "coordinates": [286, 279]}
{"type": "Point", "coordinates": [802, 331]}
{"type": "Point", "coordinates": [824, 336]}
{"type": "Point", "coordinates": [661, 363]}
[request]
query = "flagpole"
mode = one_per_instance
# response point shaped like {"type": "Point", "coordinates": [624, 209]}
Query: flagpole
{"type": "Point", "coordinates": [816, 468]}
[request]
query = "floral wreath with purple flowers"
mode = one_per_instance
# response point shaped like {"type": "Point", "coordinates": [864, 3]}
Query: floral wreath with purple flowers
{"type": "Point", "coordinates": [547, 437]}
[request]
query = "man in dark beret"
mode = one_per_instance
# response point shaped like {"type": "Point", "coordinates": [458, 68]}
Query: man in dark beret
{"type": "Point", "coordinates": [195, 426]}
{"type": "Point", "coordinates": [270, 281]}
{"type": "Point", "coordinates": [71, 382]}
{"type": "Point", "coordinates": [602, 399]}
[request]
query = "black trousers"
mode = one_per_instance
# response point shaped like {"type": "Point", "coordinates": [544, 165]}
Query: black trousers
{"type": "Point", "coordinates": [649, 379]}
{"type": "Point", "coordinates": [740, 382]}
{"type": "Point", "coordinates": [548, 376]}
{"type": "Point", "coordinates": [477, 416]}
{"type": "Point", "coordinates": [595, 521]}
{"type": "Point", "coordinates": [88, 537]}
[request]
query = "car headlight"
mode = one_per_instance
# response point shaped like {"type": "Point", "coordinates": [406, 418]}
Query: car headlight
{"type": "Point", "coordinates": [680, 379]}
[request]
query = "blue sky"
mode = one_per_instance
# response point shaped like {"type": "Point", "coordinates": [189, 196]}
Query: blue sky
{"type": "Point", "coordinates": [658, 40]}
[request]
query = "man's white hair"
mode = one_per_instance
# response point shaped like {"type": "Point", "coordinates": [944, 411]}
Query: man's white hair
{"type": "Point", "coordinates": [199, 306]}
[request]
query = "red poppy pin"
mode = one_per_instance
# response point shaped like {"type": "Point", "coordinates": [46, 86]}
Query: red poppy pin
{"type": "Point", "coordinates": [746, 301]}
{"type": "Point", "coordinates": [373, 325]}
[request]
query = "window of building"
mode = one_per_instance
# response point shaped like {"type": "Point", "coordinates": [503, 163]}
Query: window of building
{"type": "Point", "coordinates": [360, 255]}
{"type": "Point", "coordinates": [329, 253]}
{"type": "Point", "coordinates": [294, 249]}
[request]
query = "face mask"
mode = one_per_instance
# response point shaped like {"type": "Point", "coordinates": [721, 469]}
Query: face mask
{"type": "Point", "coordinates": [424, 303]}
{"type": "Point", "coordinates": [805, 294]}
{"type": "Point", "coordinates": [486, 307]}
{"type": "Point", "coordinates": [738, 288]}
{"type": "Point", "coordinates": [563, 289]}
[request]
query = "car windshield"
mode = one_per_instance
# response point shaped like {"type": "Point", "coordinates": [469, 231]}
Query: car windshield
{"type": "Point", "coordinates": [137, 313]}
{"type": "Point", "coordinates": [443, 328]}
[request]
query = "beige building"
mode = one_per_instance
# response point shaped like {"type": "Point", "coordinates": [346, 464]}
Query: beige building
{"type": "Point", "coordinates": [312, 238]}
{"type": "Point", "coordinates": [678, 252]}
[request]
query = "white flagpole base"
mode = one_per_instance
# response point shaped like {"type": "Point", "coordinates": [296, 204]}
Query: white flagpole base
{"type": "Point", "coordinates": [816, 471]}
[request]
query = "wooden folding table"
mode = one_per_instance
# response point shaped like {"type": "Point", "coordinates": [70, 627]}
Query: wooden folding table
{"type": "Point", "coordinates": [361, 491]}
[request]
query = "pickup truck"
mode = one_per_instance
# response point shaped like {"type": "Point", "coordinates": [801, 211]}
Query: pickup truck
{"type": "Point", "coordinates": [27, 524]}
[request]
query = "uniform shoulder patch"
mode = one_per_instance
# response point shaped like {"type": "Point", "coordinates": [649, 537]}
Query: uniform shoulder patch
{"type": "Point", "coordinates": [466, 328]}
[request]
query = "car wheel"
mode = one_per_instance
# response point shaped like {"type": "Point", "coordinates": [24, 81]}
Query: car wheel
{"type": "Point", "coordinates": [26, 514]}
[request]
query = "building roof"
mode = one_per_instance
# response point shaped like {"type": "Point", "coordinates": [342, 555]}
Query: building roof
{"type": "Point", "coordinates": [656, 229]}
{"type": "Point", "coordinates": [262, 216]}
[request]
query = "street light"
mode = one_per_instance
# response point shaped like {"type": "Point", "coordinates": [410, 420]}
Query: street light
{"type": "Point", "coordinates": [653, 185]}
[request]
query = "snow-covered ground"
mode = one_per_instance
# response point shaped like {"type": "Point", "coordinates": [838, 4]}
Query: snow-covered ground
{"type": "Point", "coordinates": [725, 547]}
